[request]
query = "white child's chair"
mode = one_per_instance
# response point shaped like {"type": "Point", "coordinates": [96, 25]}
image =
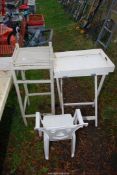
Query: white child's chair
{"type": "Point", "coordinates": [59, 127]}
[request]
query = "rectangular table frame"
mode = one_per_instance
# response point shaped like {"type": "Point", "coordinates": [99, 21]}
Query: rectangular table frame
{"type": "Point", "coordinates": [97, 90]}
{"type": "Point", "coordinates": [36, 66]}
{"type": "Point", "coordinates": [82, 63]}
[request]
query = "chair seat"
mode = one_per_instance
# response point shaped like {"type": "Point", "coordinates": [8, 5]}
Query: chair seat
{"type": "Point", "coordinates": [6, 50]}
{"type": "Point", "coordinates": [63, 120]}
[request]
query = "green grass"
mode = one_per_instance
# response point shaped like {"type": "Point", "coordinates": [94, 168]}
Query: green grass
{"type": "Point", "coordinates": [57, 19]}
{"type": "Point", "coordinates": [24, 150]}
{"type": "Point", "coordinates": [66, 37]}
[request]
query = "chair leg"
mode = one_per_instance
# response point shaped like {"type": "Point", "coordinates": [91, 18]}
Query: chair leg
{"type": "Point", "coordinates": [46, 147]}
{"type": "Point", "coordinates": [73, 145]}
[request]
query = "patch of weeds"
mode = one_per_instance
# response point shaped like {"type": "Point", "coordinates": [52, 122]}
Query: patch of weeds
{"type": "Point", "coordinates": [58, 18]}
{"type": "Point", "coordinates": [109, 112]}
{"type": "Point", "coordinates": [114, 160]}
{"type": "Point", "coordinates": [81, 167]}
{"type": "Point", "coordinates": [39, 148]}
{"type": "Point", "coordinates": [43, 170]}
{"type": "Point", "coordinates": [15, 161]}
{"type": "Point", "coordinates": [54, 164]}
{"type": "Point", "coordinates": [110, 121]}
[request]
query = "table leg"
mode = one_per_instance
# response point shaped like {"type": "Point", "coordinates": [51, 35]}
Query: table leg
{"type": "Point", "coordinates": [62, 102]}
{"type": "Point", "coordinates": [101, 84]}
{"type": "Point", "coordinates": [52, 92]}
{"type": "Point", "coordinates": [95, 102]}
{"type": "Point", "coordinates": [19, 97]}
{"type": "Point", "coordinates": [25, 85]}
{"type": "Point", "coordinates": [60, 93]}
{"type": "Point", "coordinates": [97, 92]}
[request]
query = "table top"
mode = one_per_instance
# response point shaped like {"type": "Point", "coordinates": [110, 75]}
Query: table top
{"type": "Point", "coordinates": [5, 84]}
{"type": "Point", "coordinates": [32, 56]}
{"type": "Point", "coordinates": [82, 63]}
{"type": "Point", "coordinates": [66, 64]}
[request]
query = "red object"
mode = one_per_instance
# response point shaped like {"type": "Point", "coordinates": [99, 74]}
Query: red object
{"type": "Point", "coordinates": [4, 30]}
{"type": "Point", "coordinates": [3, 7]}
{"type": "Point", "coordinates": [23, 7]}
{"type": "Point", "coordinates": [36, 20]}
{"type": "Point", "coordinates": [4, 33]}
{"type": "Point", "coordinates": [6, 50]}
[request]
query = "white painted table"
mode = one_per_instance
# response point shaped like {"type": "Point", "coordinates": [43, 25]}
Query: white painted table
{"type": "Point", "coordinates": [67, 64]}
{"type": "Point", "coordinates": [33, 58]}
{"type": "Point", "coordinates": [92, 62]}
{"type": "Point", "coordinates": [5, 84]}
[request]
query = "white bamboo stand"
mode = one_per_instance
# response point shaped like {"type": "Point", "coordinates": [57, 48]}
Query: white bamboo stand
{"type": "Point", "coordinates": [32, 58]}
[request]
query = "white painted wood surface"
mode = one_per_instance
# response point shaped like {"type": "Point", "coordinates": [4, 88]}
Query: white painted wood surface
{"type": "Point", "coordinates": [33, 58]}
{"type": "Point", "coordinates": [82, 63]}
{"type": "Point", "coordinates": [5, 63]}
{"type": "Point", "coordinates": [66, 64]}
{"type": "Point", "coordinates": [5, 84]}
{"type": "Point", "coordinates": [91, 62]}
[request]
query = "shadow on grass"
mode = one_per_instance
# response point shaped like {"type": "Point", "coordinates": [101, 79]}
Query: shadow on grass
{"type": "Point", "coordinates": [5, 127]}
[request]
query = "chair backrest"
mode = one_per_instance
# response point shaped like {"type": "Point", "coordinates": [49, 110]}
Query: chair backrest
{"type": "Point", "coordinates": [61, 133]}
